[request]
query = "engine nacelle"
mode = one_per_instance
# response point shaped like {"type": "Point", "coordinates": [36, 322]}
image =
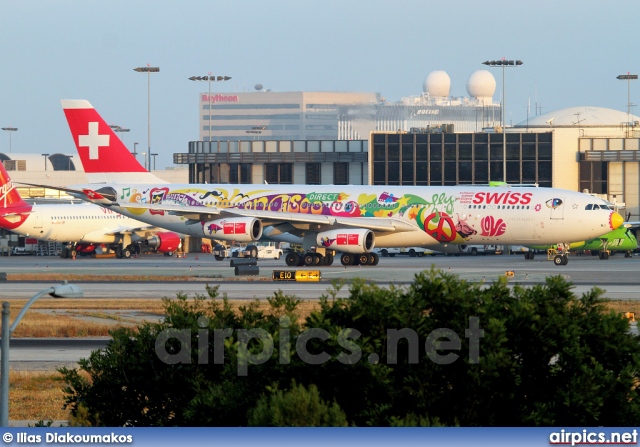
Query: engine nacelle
{"type": "Point", "coordinates": [240, 229]}
{"type": "Point", "coordinates": [164, 242]}
{"type": "Point", "coordinates": [357, 240]}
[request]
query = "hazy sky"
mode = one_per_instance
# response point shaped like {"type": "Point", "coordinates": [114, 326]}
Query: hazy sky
{"type": "Point", "coordinates": [50, 50]}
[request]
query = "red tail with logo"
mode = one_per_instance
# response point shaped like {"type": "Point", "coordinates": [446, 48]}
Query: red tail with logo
{"type": "Point", "coordinates": [13, 210]}
{"type": "Point", "coordinates": [102, 153]}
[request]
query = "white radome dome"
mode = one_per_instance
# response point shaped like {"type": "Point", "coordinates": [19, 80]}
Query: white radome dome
{"type": "Point", "coordinates": [481, 84]}
{"type": "Point", "coordinates": [437, 84]}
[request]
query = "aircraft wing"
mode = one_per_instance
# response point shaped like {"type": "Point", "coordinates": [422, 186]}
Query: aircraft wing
{"type": "Point", "coordinates": [631, 224]}
{"type": "Point", "coordinates": [132, 230]}
{"type": "Point", "coordinates": [78, 193]}
{"type": "Point", "coordinates": [197, 214]}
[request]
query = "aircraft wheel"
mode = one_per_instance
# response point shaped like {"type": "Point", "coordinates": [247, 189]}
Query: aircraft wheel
{"type": "Point", "coordinates": [559, 260]}
{"type": "Point", "coordinates": [119, 253]}
{"type": "Point", "coordinates": [375, 259]}
{"type": "Point", "coordinates": [126, 253]}
{"type": "Point", "coordinates": [363, 259]}
{"type": "Point", "coordinates": [309, 259]}
{"type": "Point", "coordinates": [603, 255]}
{"type": "Point", "coordinates": [347, 259]}
{"type": "Point", "coordinates": [292, 259]}
{"type": "Point", "coordinates": [329, 259]}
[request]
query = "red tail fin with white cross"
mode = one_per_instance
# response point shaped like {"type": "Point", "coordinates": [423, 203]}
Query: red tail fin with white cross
{"type": "Point", "coordinates": [103, 155]}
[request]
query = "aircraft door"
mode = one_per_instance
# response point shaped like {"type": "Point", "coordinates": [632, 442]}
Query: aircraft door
{"type": "Point", "coordinates": [38, 221]}
{"type": "Point", "coordinates": [556, 206]}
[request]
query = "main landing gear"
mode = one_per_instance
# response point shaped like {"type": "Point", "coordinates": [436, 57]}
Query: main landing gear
{"type": "Point", "coordinates": [314, 258]}
{"type": "Point", "coordinates": [128, 251]}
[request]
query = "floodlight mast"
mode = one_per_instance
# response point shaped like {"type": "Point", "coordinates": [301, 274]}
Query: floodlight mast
{"type": "Point", "coordinates": [628, 77]}
{"type": "Point", "coordinates": [503, 63]}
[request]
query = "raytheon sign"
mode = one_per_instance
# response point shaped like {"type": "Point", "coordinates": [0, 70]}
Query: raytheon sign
{"type": "Point", "coordinates": [220, 98]}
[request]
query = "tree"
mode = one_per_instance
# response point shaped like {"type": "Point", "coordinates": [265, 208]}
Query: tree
{"type": "Point", "coordinates": [297, 407]}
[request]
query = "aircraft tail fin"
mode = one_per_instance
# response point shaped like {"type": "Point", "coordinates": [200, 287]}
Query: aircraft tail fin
{"type": "Point", "coordinates": [9, 196]}
{"type": "Point", "coordinates": [104, 156]}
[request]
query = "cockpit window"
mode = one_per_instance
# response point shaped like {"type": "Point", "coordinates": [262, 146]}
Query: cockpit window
{"type": "Point", "coordinates": [588, 207]}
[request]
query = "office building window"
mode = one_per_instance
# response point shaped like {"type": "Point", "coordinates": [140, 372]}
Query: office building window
{"type": "Point", "coordinates": [313, 173]}
{"type": "Point", "coordinates": [240, 173]}
{"type": "Point", "coordinates": [341, 173]}
{"type": "Point", "coordinates": [279, 173]}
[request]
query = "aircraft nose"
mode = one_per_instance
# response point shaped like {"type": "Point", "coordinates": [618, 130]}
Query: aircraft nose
{"type": "Point", "coordinates": [616, 220]}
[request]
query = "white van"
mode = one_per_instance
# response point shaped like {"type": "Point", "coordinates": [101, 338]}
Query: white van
{"type": "Point", "coordinates": [475, 250]}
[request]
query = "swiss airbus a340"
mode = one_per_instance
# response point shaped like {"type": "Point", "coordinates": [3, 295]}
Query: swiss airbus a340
{"type": "Point", "coordinates": [81, 226]}
{"type": "Point", "coordinates": [328, 219]}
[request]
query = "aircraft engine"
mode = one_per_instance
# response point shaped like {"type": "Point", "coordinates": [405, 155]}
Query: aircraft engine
{"type": "Point", "coordinates": [356, 240]}
{"type": "Point", "coordinates": [165, 242]}
{"type": "Point", "coordinates": [240, 229]}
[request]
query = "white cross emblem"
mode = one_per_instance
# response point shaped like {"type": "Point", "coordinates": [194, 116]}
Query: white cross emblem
{"type": "Point", "coordinates": [93, 141]}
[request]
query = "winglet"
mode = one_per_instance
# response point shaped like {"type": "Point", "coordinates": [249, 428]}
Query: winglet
{"type": "Point", "coordinates": [96, 197]}
{"type": "Point", "coordinates": [104, 157]}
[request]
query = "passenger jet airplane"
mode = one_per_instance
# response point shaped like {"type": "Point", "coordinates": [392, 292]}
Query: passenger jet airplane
{"type": "Point", "coordinates": [326, 219]}
{"type": "Point", "coordinates": [621, 239]}
{"type": "Point", "coordinates": [80, 225]}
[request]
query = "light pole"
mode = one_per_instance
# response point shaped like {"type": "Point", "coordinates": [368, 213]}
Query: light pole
{"type": "Point", "coordinates": [209, 79]}
{"type": "Point", "coordinates": [65, 290]}
{"type": "Point", "coordinates": [628, 77]}
{"type": "Point", "coordinates": [117, 128]}
{"type": "Point", "coordinates": [503, 63]}
{"type": "Point", "coordinates": [148, 70]}
{"type": "Point", "coordinates": [144, 155]}
{"type": "Point", "coordinates": [154, 161]}
{"type": "Point", "coordinates": [10, 129]}
{"type": "Point", "coordinates": [135, 154]}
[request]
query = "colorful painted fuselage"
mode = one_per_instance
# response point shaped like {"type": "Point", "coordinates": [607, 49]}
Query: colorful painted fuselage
{"type": "Point", "coordinates": [436, 215]}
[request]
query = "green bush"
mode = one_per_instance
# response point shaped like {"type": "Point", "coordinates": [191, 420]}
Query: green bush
{"type": "Point", "coordinates": [542, 357]}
